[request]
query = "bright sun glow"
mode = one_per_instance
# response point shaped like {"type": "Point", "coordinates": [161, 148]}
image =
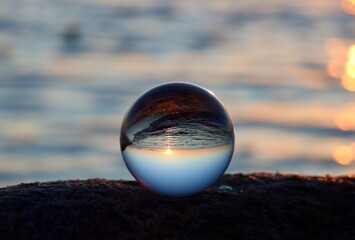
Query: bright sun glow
{"type": "Point", "coordinates": [168, 151]}
{"type": "Point", "coordinates": [348, 79]}
{"type": "Point", "coordinates": [350, 66]}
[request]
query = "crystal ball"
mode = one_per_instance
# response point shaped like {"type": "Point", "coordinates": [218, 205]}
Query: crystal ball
{"type": "Point", "coordinates": [177, 139]}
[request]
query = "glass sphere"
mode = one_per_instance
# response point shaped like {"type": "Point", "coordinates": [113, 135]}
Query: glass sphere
{"type": "Point", "coordinates": [177, 139]}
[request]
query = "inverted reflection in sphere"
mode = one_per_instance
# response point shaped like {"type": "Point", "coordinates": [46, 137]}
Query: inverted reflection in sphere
{"type": "Point", "coordinates": [177, 139]}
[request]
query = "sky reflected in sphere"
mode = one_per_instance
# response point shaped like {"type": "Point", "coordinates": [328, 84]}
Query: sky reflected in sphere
{"type": "Point", "coordinates": [177, 139]}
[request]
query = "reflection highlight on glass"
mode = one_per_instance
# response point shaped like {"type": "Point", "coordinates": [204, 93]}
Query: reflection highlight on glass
{"type": "Point", "coordinates": [177, 139]}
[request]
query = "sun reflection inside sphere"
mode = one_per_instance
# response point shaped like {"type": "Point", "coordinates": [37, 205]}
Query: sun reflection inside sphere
{"type": "Point", "coordinates": [168, 151]}
{"type": "Point", "coordinates": [177, 139]}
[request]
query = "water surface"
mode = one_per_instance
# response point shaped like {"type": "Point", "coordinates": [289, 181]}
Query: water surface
{"type": "Point", "coordinates": [281, 69]}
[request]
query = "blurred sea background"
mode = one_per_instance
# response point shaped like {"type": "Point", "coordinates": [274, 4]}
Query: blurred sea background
{"type": "Point", "coordinates": [69, 70]}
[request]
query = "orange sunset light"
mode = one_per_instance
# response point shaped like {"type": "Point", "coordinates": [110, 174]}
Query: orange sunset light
{"type": "Point", "coordinates": [168, 151]}
{"type": "Point", "coordinates": [343, 155]}
{"type": "Point", "coordinates": [345, 120]}
{"type": "Point", "coordinates": [348, 6]}
{"type": "Point", "coordinates": [350, 66]}
{"type": "Point", "coordinates": [348, 79]}
{"type": "Point", "coordinates": [335, 48]}
{"type": "Point", "coordinates": [335, 68]}
{"type": "Point", "coordinates": [348, 83]}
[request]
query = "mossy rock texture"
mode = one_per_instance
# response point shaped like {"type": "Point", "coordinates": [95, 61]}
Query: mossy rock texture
{"type": "Point", "coordinates": [239, 206]}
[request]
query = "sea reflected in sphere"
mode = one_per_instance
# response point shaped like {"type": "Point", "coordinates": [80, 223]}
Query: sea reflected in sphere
{"type": "Point", "coordinates": [177, 139]}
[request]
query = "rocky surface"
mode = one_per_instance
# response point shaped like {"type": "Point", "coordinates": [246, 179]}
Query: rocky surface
{"type": "Point", "coordinates": [240, 206]}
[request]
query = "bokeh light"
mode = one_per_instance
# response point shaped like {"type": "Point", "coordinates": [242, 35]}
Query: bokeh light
{"type": "Point", "coordinates": [335, 68]}
{"type": "Point", "coordinates": [348, 83]}
{"type": "Point", "coordinates": [342, 62]}
{"type": "Point", "coordinates": [350, 66]}
{"type": "Point", "coordinates": [343, 155]}
{"type": "Point", "coordinates": [345, 119]}
{"type": "Point", "coordinates": [348, 79]}
{"type": "Point", "coordinates": [348, 6]}
{"type": "Point", "coordinates": [335, 48]}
